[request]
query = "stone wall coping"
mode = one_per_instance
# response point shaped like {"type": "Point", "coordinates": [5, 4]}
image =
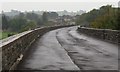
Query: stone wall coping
{"type": "Point", "coordinates": [10, 62]}
{"type": "Point", "coordinates": [12, 38]}
{"type": "Point", "coordinates": [100, 29]}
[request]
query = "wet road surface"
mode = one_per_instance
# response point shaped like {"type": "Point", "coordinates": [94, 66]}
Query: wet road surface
{"type": "Point", "coordinates": [65, 49]}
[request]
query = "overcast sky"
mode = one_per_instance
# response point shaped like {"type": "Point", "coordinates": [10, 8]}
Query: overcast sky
{"type": "Point", "coordinates": [54, 5]}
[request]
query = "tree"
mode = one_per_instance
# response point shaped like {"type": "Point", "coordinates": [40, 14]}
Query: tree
{"type": "Point", "coordinates": [39, 22]}
{"type": "Point", "coordinates": [44, 17]}
{"type": "Point", "coordinates": [107, 21]}
{"type": "Point", "coordinates": [106, 17]}
{"type": "Point", "coordinates": [52, 15]}
{"type": "Point", "coordinates": [30, 25]}
{"type": "Point", "coordinates": [32, 16]}
{"type": "Point", "coordinates": [17, 24]}
{"type": "Point", "coordinates": [4, 22]}
{"type": "Point", "coordinates": [21, 15]}
{"type": "Point", "coordinates": [118, 18]}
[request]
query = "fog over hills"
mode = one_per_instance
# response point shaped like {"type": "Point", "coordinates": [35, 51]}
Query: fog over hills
{"type": "Point", "coordinates": [60, 13]}
{"type": "Point", "coordinates": [119, 4]}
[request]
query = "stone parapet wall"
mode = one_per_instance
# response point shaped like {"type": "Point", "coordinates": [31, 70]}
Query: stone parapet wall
{"type": "Point", "coordinates": [14, 47]}
{"type": "Point", "coordinates": [104, 34]}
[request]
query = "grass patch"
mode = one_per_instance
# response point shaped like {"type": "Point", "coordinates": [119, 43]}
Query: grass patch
{"type": "Point", "coordinates": [5, 34]}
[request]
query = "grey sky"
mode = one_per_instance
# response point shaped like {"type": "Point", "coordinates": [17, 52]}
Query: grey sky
{"type": "Point", "coordinates": [54, 6]}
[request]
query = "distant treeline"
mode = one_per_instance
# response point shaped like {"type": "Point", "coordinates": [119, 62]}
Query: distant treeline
{"type": "Point", "coordinates": [25, 21]}
{"type": "Point", "coordinates": [106, 17]}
